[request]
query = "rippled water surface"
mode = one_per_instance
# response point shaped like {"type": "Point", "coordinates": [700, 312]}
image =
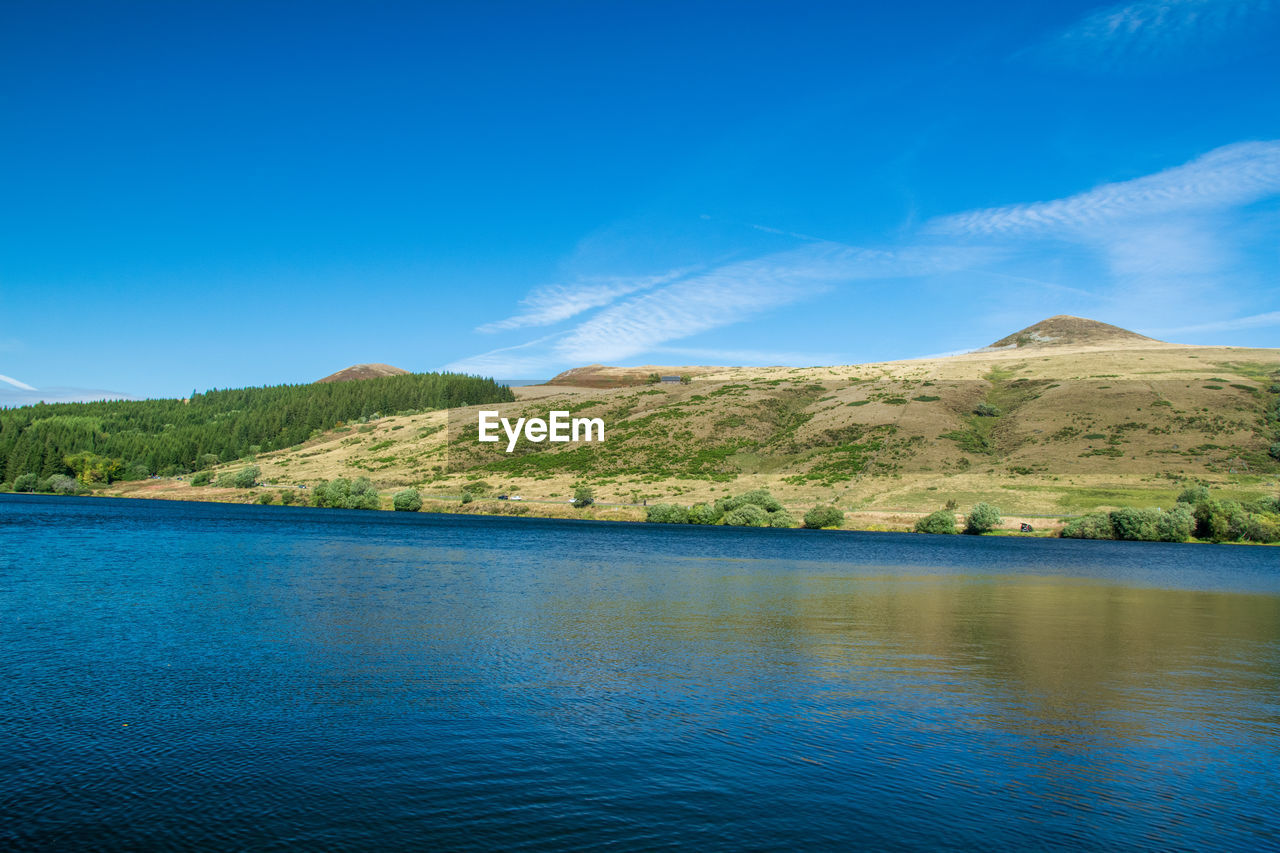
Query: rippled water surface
{"type": "Point", "coordinates": [230, 677]}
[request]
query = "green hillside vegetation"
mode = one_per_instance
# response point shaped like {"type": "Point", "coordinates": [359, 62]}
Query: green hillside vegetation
{"type": "Point", "coordinates": [1068, 419]}
{"type": "Point", "coordinates": [132, 439]}
{"type": "Point", "coordinates": [813, 437]}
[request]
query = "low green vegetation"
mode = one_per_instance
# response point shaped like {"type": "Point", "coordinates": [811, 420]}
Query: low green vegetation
{"type": "Point", "coordinates": [983, 518]}
{"type": "Point", "coordinates": [823, 516]}
{"type": "Point", "coordinates": [58, 484]}
{"type": "Point", "coordinates": [942, 521]}
{"type": "Point", "coordinates": [752, 509]}
{"type": "Point", "coordinates": [1150, 524]}
{"type": "Point", "coordinates": [407, 500]}
{"type": "Point", "coordinates": [1197, 513]}
{"type": "Point", "coordinates": [346, 494]}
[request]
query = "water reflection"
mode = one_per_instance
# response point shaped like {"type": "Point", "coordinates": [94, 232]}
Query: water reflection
{"type": "Point", "coordinates": [365, 683]}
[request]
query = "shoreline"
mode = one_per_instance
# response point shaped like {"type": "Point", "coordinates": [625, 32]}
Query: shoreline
{"type": "Point", "coordinates": [870, 520]}
{"type": "Point", "coordinates": [505, 509]}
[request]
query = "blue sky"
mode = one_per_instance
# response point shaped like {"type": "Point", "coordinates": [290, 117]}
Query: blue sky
{"type": "Point", "coordinates": [216, 195]}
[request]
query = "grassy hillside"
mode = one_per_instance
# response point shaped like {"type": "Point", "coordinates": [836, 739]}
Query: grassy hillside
{"type": "Point", "coordinates": [1048, 424]}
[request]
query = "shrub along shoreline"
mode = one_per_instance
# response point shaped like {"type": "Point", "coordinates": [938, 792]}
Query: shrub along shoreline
{"type": "Point", "coordinates": [1197, 513]}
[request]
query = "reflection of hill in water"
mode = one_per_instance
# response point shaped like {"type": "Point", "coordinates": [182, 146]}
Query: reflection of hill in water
{"type": "Point", "coordinates": [504, 684]}
{"type": "Point", "coordinates": [1063, 660]}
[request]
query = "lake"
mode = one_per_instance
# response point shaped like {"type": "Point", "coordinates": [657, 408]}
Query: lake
{"type": "Point", "coordinates": [206, 676]}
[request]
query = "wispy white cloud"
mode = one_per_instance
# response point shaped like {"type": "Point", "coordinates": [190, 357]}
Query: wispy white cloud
{"type": "Point", "coordinates": [553, 304]}
{"type": "Point", "coordinates": [734, 292]}
{"type": "Point", "coordinates": [750, 356]}
{"type": "Point", "coordinates": [1226, 177]}
{"type": "Point", "coordinates": [1168, 245]}
{"type": "Point", "coordinates": [1158, 250]}
{"type": "Point", "coordinates": [1156, 30]}
{"type": "Point", "coordinates": [715, 298]}
{"type": "Point", "coordinates": [15, 383]}
{"type": "Point", "coordinates": [529, 360]}
{"type": "Point", "coordinates": [712, 299]}
{"type": "Point", "coordinates": [1256, 321]}
{"type": "Point", "coordinates": [26, 396]}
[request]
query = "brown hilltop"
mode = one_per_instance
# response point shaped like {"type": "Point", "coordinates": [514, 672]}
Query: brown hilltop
{"type": "Point", "coordinates": [607, 376]}
{"type": "Point", "coordinates": [363, 371]}
{"type": "Point", "coordinates": [1065, 330]}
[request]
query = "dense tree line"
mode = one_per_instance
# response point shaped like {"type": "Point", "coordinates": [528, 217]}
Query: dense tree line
{"type": "Point", "coordinates": [118, 439]}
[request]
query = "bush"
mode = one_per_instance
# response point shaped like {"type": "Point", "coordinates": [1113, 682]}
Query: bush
{"type": "Point", "coordinates": [756, 508]}
{"type": "Point", "coordinates": [667, 514]}
{"type": "Point", "coordinates": [363, 495]}
{"type": "Point", "coordinates": [942, 521]}
{"type": "Point", "coordinates": [1219, 521]}
{"type": "Point", "coordinates": [287, 497]}
{"type": "Point", "coordinates": [26, 483]}
{"type": "Point", "coordinates": [346, 494]}
{"type": "Point", "coordinates": [246, 477]}
{"type": "Point", "coordinates": [583, 496]}
{"type": "Point", "coordinates": [702, 514]}
{"type": "Point", "coordinates": [1134, 525]}
{"type": "Point", "coordinates": [780, 519]}
{"type": "Point", "coordinates": [1194, 495]}
{"type": "Point", "coordinates": [1152, 525]}
{"type": "Point", "coordinates": [823, 515]}
{"type": "Point", "coordinates": [226, 480]}
{"type": "Point", "coordinates": [1274, 450]}
{"type": "Point", "coordinates": [1096, 525]}
{"type": "Point", "coordinates": [407, 500]}
{"type": "Point", "coordinates": [1261, 530]}
{"type": "Point", "coordinates": [6, 487]}
{"type": "Point", "coordinates": [982, 519]}
{"type": "Point", "coordinates": [1264, 506]}
{"type": "Point", "coordinates": [986, 410]}
{"type": "Point", "coordinates": [757, 497]}
{"type": "Point", "coordinates": [264, 498]}
{"type": "Point", "coordinates": [747, 515]}
{"type": "Point", "coordinates": [467, 497]}
{"type": "Point", "coordinates": [201, 478]}
{"type": "Point", "coordinates": [61, 484]}
{"type": "Point", "coordinates": [1177, 525]}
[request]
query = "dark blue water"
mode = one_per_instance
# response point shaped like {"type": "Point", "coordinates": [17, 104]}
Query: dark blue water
{"type": "Point", "coordinates": [201, 676]}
